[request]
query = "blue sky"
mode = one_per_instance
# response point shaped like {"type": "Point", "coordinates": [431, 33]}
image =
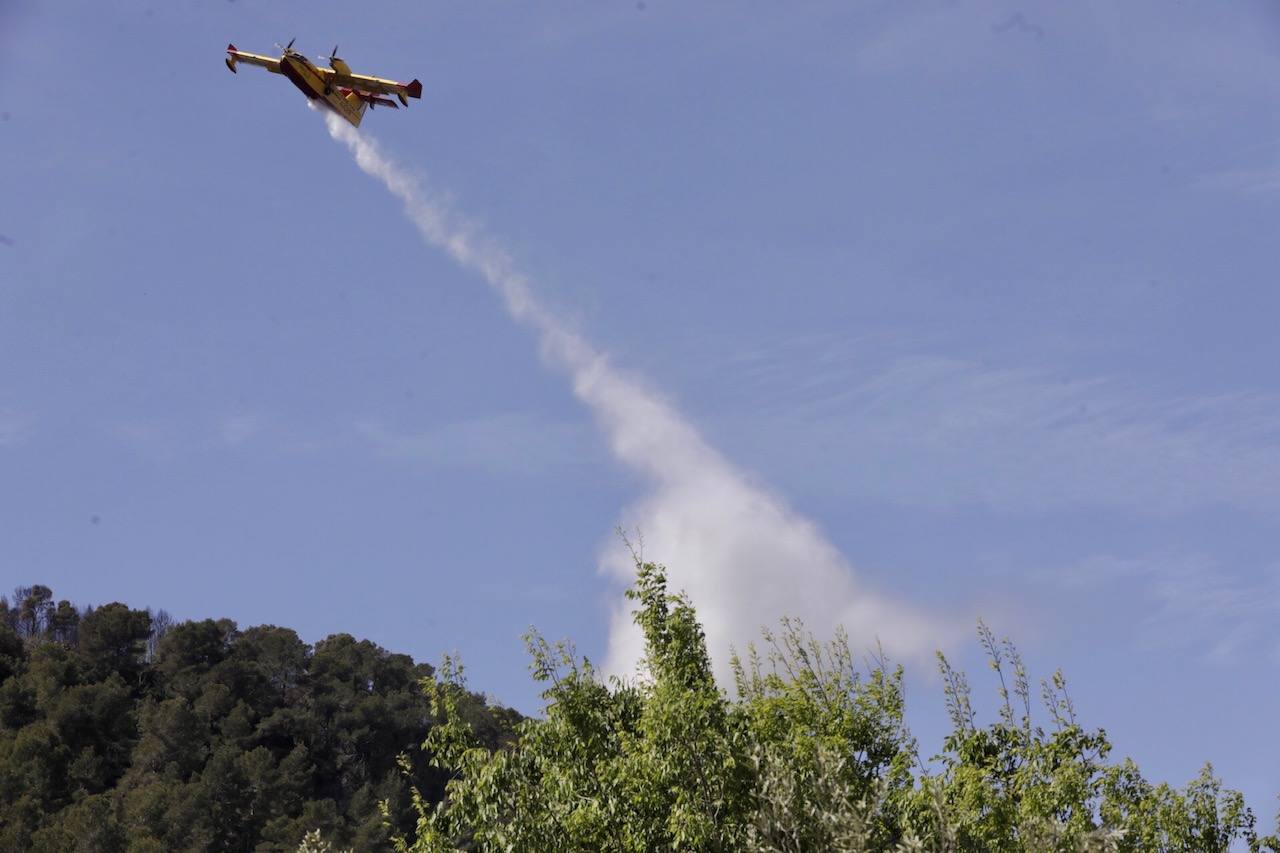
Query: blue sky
{"type": "Point", "coordinates": [984, 291]}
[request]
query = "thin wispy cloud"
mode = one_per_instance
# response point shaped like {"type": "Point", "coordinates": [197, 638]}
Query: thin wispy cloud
{"type": "Point", "coordinates": [1190, 602]}
{"type": "Point", "coordinates": [740, 552]}
{"type": "Point", "coordinates": [237, 429]}
{"type": "Point", "coordinates": [946, 39]}
{"type": "Point", "coordinates": [520, 443]}
{"type": "Point", "coordinates": [152, 438]}
{"type": "Point", "coordinates": [164, 437]}
{"type": "Point", "coordinates": [1017, 23]}
{"type": "Point", "coordinates": [1248, 181]}
{"type": "Point", "coordinates": [931, 431]}
{"type": "Point", "coordinates": [506, 443]}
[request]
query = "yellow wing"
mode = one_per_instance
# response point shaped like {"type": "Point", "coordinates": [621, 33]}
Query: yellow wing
{"type": "Point", "coordinates": [234, 56]}
{"type": "Point", "coordinates": [373, 85]}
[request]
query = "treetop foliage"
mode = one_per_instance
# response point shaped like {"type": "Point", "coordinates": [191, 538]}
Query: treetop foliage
{"type": "Point", "coordinates": [812, 754]}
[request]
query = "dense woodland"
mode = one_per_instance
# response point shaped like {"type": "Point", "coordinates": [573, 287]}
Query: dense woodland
{"type": "Point", "coordinates": [121, 730]}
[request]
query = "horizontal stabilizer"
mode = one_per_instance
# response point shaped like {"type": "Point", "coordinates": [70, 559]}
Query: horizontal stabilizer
{"type": "Point", "coordinates": [370, 99]}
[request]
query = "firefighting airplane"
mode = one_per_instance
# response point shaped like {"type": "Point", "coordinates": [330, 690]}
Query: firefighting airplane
{"type": "Point", "coordinates": [345, 93]}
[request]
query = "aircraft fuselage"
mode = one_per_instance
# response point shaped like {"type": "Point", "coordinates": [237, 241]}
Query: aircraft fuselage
{"type": "Point", "coordinates": [304, 75]}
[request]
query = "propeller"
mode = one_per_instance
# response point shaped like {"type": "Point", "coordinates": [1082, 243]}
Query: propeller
{"type": "Point", "coordinates": [288, 47]}
{"type": "Point", "coordinates": [333, 58]}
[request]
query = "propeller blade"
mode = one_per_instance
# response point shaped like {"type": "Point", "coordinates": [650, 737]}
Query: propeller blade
{"type": "Point", "coordinates": [290, 44]}
{"type": "Point", "coordinates": [335, 52]}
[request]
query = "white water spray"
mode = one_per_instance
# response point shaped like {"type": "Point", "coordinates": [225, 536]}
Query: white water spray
{"type": "Point", "coordinates": [741, 554]}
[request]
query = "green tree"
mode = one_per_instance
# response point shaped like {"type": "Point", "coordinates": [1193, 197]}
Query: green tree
{"type": "Point", "coordinates": [203, 736]}
{"type": "Point", "coordinates": [64, 624]}
{"type": "Point", "coordinates": [113, 638]}
{"type": "Point", "coordinates": [90, 825]}
{"type": "Point", "coordinates": [1014, 785]}
{"type": "Point", "coordinates": [813, 754]}
{"type": "Point", "coordinates": [13, 653]}
{"type": "Point", "coordinates": [34, 606]}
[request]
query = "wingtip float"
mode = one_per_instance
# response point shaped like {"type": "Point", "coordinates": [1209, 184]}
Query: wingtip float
{"type": "Point", "coordinates": [342, 91]}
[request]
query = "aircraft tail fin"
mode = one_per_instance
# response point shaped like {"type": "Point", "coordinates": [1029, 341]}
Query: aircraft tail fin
{"type": "Point", "coordinates": [410, 90]}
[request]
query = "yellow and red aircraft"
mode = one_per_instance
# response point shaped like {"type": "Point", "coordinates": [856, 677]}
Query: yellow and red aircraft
{"type": "Point", "coordinates": [345, 93]}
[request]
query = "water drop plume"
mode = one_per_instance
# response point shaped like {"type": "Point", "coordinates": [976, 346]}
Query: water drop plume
{"type": "Point", "coordinates": [744, 557]}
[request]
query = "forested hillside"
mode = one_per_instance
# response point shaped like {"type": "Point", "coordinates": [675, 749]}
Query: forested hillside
{"type": "Point", "coordinates": [121, 730]}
